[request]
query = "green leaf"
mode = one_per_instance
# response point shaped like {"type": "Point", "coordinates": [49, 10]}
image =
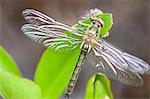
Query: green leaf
{"type": "Point", "coordinates": [98, 87]}
{"type": "Point", "coordinates": [108, 21]}
{"type": "Point", "coordinates": [54, 71]}
{"type": "Point", "coordinates": [7, 64]}
{"type": "Point", "coordinates": [14, 87]}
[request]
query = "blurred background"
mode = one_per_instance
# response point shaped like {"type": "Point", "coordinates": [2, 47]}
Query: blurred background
{"type": "Point", "coordinates": [130, 32]}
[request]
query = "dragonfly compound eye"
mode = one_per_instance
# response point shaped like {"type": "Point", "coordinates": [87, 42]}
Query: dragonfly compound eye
{"type": "Point", "coordinates": [98, 22]}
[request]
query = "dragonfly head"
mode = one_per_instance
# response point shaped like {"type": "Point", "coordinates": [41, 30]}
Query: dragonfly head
{"type": "Point", "coordinates": [97, 22]}
{"type": "Point", "coordinates": [93, 15]}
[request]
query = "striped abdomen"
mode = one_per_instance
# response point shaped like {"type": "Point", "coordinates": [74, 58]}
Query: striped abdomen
{"type": "Point", "coordinates": [76, 72]}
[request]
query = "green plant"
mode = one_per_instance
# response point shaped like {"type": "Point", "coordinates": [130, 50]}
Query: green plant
{"type": "Point", "coordinates": [98, 87]}
{"type": "Point", "coordinates": [14, 86]}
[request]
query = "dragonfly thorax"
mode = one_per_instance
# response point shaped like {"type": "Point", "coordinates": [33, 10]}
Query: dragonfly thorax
{"type": "Point", "coordinates": [90, 38]}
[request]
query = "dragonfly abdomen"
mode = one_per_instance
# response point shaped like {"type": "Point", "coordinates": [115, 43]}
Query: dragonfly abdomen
{"type": "Point", "coordinates": [76, 72]}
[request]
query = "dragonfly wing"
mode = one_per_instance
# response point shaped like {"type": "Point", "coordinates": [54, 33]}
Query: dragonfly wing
{"type": "Point", "coordinates": [38, 18]}
{"type": "Point", "coordinates": [49, 38]}
{"type": "Point", "coordinates": [49, 32]}
{"type": "Point", "coordinates": [91, 13]}
{"type": "Point", "coordinates": [121, 59]}
{"type": "Point", "coordinates": [126, 77]}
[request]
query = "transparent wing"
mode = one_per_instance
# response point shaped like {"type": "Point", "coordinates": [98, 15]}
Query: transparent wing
{"type": "Point", "coordinates": [49, 32]}
{"type": "Point", "coordinates": [121, 59]}
{"type": "Point", "coordinates": [38, 18]}
{"type": "Point", "coordinates": [91, 13]}
{"type": "Point", "coordinates": [118, 64]}
{"type": "Point", "coordinates": [103, 66]}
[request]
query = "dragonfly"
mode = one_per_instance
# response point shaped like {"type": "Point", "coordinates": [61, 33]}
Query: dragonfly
{"type": "Point", "coordinates": [104, 56]}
